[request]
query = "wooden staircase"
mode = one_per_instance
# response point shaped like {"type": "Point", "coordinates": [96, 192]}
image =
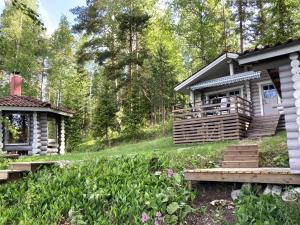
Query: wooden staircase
{"type": "Point", "coordinates": [241, 156]}
{"type": "Point", "coordinates": [263, 126]}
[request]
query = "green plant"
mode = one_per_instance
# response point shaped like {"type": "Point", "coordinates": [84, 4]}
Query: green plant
{"type": "Point", "coordinates": [265, 210]}
{"type": "Point", "coordinates": [106, 191]}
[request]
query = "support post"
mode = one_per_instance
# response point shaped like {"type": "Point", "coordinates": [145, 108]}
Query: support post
{"type": "Point", "coordinates": [1, 132]}
{"type": "Point", "coordinates": [192, 97]}
{"type": "Point", "coordinates": [35, 145]}
{"type": "Point", "coordinates": [62, 136]}
{"type": "Point", "coordinates": [248, 91]}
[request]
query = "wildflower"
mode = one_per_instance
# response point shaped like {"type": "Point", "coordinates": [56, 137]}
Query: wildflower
{"type": "Point", "coordinates": [170, 173]}
{"type": "Point", "coordinates": [158, 214]}
{"type": "Point", "coordinates": [145, 218]}
{"type": "Point", "coordinates": [158, 218]}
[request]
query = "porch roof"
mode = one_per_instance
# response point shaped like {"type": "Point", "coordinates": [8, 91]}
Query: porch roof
{"type": "Point", "coordinates": [227, 80]}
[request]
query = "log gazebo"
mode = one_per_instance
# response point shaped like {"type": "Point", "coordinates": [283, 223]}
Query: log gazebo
{"type": "Point", "coordinates": [39, 127]}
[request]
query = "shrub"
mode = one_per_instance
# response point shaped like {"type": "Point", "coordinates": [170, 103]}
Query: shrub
{"type": "Point", "coordinates": [106, 191]}
{"type": "Point", "coordinates": [265, 210]}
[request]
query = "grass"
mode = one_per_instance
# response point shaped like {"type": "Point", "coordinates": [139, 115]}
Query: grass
{"type": "Point", "coordinates": [162, 145]}
{"type": "Point", "coordinates": [273, 151]}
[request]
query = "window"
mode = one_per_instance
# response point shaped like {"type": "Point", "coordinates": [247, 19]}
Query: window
{"type": "Point", "coordinates": [269, 91]}
{"type": "Point", "coordinates": [52, 130]}
{"type": "Point", "coordinates": [20, 123]}
{"type": "Point", "coordinates": [234, 93]}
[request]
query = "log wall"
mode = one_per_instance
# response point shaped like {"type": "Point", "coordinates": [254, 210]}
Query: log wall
{"type": "Point", "coordinates": [44, 133]}
{"type": "Point", "coordinates": [288, 103]}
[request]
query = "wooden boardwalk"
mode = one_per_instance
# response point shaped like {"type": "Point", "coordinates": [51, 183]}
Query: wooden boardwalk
{"type": "Point", "coordinates": [244, 175]}
{"type": "Point", "coordinates": [18, 170]}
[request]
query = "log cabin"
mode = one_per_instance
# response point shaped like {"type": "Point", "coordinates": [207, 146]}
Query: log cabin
{"type": "Point", "coordinates": [39, 126]}
{"type": "Point", "coordinates": [248, 95]}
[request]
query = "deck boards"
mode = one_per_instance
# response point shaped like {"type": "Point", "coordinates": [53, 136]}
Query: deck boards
{"type": "Point", "coordinates": [244, 175]}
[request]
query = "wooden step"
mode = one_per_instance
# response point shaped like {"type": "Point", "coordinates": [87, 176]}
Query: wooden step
{"type": "Point", "coordinates": [240, 152]}
{"type": "Point", "coordinates": [10, 156]}
{"type": "Point", "coordinates": [30, 166]}
{"type": "Point", "coordinates": [260, 134]}
{"type": "Point", "coordinates": [240, 157]}
{"type": "Point", "coordinates": [243, 147]}
{"type": "Point", "coordinates": [10, 175]}
{"type": "Point", "coordinates": [240, 164]}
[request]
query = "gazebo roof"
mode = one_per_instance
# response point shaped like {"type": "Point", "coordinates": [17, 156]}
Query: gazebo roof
{"type": "Point", "coordinates": [25, 103]}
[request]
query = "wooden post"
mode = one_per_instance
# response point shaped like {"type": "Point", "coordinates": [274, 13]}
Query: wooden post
{"type": "Point", "coordinates": [1, 132]}
{"type": "Point", "coordinates": [62, 136]}
{"type": "Point", "coordinates": [44, 133]}
{"type": "Point", "coordinates": [192, 97]}
{"type": "Point", "coordinates": [35, 144]}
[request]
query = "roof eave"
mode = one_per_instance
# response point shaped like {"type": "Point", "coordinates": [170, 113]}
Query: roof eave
{"type": "Point", "coordinates": [34, 109]}
{"type": "Point", "coordinates": [206, 69]}
{"type": "Point", "coordinates": [270, 53]}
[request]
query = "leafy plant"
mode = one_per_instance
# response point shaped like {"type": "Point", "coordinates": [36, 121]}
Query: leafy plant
{"type": "Point", "coordinates": [105, 191]}
{"type": "Point", "coordinates": [265, 210]}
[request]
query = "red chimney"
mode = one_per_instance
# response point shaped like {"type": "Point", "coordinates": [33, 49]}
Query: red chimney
{"type": "Point", "coordinates": [16, 85]}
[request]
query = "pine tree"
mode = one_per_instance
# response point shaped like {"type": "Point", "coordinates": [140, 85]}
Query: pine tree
{"type": "Point", "coordinates": [105, 117]}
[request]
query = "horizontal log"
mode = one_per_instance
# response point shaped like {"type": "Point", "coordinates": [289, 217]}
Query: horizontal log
{"type": "Point", "coordinates": [294, 153]}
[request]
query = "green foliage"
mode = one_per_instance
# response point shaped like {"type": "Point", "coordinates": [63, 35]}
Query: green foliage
{"type": "Point", "coordinates": [106, 191]}
{"type": "Point", "coordinates": [265, 210]}
{"type": "Point", "coordinates": [274, 152]}
{"type": "Point", "coordinates": [22, 44]}
{"type": "Point", "coordinates": [105, 112]}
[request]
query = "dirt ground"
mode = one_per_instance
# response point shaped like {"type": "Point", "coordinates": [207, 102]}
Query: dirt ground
{"type": "Point", "coordinates": [221, 213]}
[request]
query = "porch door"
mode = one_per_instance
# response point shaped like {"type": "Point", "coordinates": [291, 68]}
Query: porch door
{"type": "Point", "coordinates": [269, 99]}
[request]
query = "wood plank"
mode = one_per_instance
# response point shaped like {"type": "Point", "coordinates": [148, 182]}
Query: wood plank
{"type": "Point", "coordinates": [30, 166]}
{"type": "Point", "coordinates": [244, 175]}
{"type": "Point", "coordinates": [240, 164]}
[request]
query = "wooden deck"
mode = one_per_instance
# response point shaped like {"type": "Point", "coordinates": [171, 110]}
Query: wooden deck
{"type": "Point", "coordinates": [244, 175]}
{"type": "Point", "coordinates": [212, 122]}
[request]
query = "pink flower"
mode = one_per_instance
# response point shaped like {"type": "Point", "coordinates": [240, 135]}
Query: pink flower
{"type": "Point", "coordinates": [158, 218]}
{"type": "Point", "coordinates": [170, 173]}
{"type": "Point", "coordinates": [158, 214]}
{"type": "Point", "coordinates": [145, 218]}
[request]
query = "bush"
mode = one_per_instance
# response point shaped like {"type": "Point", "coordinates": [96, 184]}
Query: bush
{"type": "Point", "coordinates": [266, 210]}
{"type": "Point", "coordinates": [104, 191]}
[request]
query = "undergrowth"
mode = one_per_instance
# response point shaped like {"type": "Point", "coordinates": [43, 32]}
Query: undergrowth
{"type": "Point", "coordinates": [122, 190]}
{"type": "Point", "coordinates": [254, 209]}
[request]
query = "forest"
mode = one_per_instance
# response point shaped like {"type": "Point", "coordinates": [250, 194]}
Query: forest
{"type": "Point", "coordinates": [117, 66]}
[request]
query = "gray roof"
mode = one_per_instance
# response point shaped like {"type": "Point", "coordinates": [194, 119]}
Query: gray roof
{"type": "Point", "coordinates": [227, 80]}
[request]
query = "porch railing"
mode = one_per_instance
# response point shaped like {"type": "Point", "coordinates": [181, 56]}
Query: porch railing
{"type": "Point", "coordinates": [215, 107]}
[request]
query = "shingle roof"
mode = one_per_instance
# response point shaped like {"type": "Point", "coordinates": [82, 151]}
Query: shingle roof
{"type": "Point", "coordinates": [25, 101]}
{"type": "Point", "coordinates": [227, 80]}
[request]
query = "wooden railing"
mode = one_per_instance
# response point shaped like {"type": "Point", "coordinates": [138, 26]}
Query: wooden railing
{"type": "Point", "coordinates": [226, 105]}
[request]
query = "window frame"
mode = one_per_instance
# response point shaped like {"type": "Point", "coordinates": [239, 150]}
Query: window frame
{"type": "Point", "coordinates": [6, 132]}
{"type": "Point", "coordinates": [51, 140]}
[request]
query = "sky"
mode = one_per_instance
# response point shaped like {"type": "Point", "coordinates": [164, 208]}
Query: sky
{"type": "Point", "coordinates": [52, 10]}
